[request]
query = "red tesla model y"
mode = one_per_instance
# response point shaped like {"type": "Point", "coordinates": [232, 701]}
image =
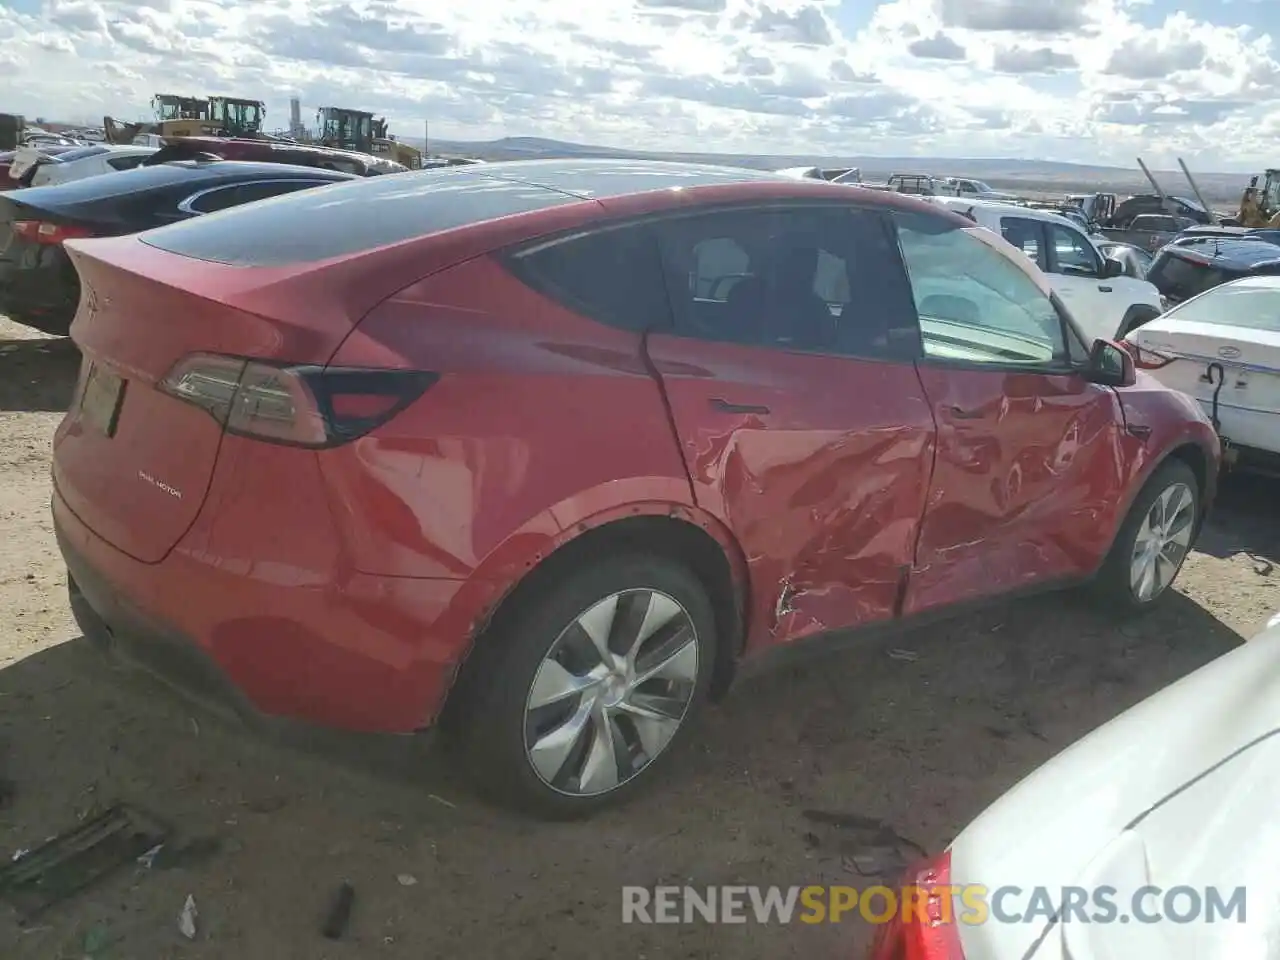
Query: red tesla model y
{"type": "Point", "coordinates": [538, 452]}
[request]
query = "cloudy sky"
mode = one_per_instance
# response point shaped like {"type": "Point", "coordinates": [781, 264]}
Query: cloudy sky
{"type": "Point", "coordinates": [1088, 80]}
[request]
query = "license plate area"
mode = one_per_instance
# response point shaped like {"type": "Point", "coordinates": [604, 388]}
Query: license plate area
{"type": "Point", "coordinates": [102, 399]}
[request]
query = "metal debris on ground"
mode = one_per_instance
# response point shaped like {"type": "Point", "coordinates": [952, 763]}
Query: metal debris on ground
{"type": "Point", "coordinates": [78, 858]}
{"type": "Point", "coordinates": [875, 863]}
{"type": "Point", "coordinates": [148, 858]}
{"type": "Point", "coordinates": [908, 656]}
{"type": "Point", "coordinates": [339, 915]}
{"type": "Point", "coordinates": [187, 919]}
{"type": "Point", "coordinates": [873, 844]}
{"type": "Point", "coordinates": [189, 854]}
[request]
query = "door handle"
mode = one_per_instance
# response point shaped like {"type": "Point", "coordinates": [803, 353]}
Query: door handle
{"type": "Point", "coordinates": [1105, 288]}
{"type": "Point", "coordinates": [724, 406]}
{"type": "Point", "coordinates": [959, 413]}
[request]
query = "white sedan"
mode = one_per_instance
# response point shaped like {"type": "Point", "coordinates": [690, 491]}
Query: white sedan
{"type": "Point", "coordinates": [1155, 836]}
{"type": "Point", "coordinates": [1223, 348]}
{"type": "Point", "coordinates": [85, 162]}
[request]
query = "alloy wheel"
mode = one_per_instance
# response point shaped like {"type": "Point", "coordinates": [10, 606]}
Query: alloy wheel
{"type": "Point", "coordinates": [611, 693]}
{"type": "Point", "coordinates": [1162, 542]}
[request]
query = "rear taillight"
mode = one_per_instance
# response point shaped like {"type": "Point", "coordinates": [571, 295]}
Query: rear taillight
{"type": "Point", "coordinates": [927, 929]}
{"type": "Point", "coordinates": [1145, 359]}
{"type": "Point", "coordinates": [294, 404]}
{"type": "Point", "coordinates": [42, 231]}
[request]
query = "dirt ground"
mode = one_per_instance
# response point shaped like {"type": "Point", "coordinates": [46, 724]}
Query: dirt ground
{"type": "Point", "coordinates": [923, 742]}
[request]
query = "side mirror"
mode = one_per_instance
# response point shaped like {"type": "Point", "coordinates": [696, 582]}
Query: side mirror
{"type": "Point", "coordinates": [1111, 365]}
{"type": "Point", "coordinates": [1112, 268]}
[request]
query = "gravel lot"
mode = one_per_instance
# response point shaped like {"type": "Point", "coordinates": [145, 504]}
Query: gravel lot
{"type": "Point", "coordinates": [923, 743]}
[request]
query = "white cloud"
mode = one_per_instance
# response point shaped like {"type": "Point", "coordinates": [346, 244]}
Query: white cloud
{"type": "Point", "coordinates": [1068, 79]}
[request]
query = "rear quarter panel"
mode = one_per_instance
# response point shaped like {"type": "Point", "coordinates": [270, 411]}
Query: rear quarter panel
{"type": "Point", "coordinates": [542, 422]}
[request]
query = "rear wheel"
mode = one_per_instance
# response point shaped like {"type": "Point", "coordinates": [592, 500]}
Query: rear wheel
{"type": "Point", "coordinates": [582, 689]}
{"type": "Point", "coordinates": [1153, 541]}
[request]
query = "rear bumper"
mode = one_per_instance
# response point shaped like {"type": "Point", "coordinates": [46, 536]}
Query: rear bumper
{"type": "Point", "coordinates": [364, 654]}
{"type": "Point", "coordinates": [122, 631]}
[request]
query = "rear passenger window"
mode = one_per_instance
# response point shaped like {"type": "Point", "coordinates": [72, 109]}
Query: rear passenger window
{"type": "Point", "coordinates": [821, 279]}
{"type": "Point", "coordinates": [612, 276]}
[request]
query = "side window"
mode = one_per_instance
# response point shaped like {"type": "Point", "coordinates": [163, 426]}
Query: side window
{"type": "Point", "coordinates": [126, 163]}
{"type": "Point", "coordinates": [822, 279]}
{"type": "Point", "coordinates": [242, 193]}
{"type": "Point", "coordinates": [1074, 253]}
{"type": "Point", "coordinates": [976, 305]}
{"type": "Point", "coordinates": [612, 276]}
{"type": "Point", "coordinates": [1028, 236]}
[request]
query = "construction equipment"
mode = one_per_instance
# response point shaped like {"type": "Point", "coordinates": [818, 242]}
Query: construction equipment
{"type": "Point", "coordinates": [1260, 206]}
{"type": "Point", "coordinates": [236, 117]}
{"type": "Point", "coordinates": [170, 106]}
{"type": "Point", "coordinates": [179, 116]}
{"type": "Point", "coordinates": [362, 132]}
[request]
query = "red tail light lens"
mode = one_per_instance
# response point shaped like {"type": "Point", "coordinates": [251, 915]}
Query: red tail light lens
{"type": "Point", "coordinates": [42, 231]}
{"type": "Point", "coordinates": [1145, 359]}
{"type": "Point", "coordinates": [928, 931]}
{"type": "Point", "coordinates": [294, 404]}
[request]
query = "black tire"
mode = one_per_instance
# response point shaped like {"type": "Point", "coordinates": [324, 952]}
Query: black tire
{"type": "Point", "coordinates": [1114, 583]}
{"type": "Point", "coordinates": [485, 722]}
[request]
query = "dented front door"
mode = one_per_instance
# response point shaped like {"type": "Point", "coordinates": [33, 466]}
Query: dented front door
{"type": "Point", "coordinates": [818, 463]}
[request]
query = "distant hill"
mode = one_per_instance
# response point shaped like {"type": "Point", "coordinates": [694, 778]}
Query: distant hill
{"type": "Point", "coordinates": [1042, 176]}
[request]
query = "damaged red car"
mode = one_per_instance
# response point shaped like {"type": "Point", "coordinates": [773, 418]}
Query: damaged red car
{"type": "Point", "coordinates": [540, 452]}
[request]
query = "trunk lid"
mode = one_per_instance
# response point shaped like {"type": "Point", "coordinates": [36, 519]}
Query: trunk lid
{"type": "Point", "coordinates": [131, 461]}
{"type": "Point", "coordinates": [1250, 360]}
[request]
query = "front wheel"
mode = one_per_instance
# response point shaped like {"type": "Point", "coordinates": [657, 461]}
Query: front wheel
{"type": "Point", "coordinates": [1154, 540]}
{"type": "Point", "coordinates": [584, 686]}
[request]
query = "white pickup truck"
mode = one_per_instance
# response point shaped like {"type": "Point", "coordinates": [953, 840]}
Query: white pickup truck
{"type": "Point", "coordinates": [1105, 303]}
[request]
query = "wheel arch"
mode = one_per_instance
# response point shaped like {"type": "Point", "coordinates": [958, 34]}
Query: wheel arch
{"type": "Point", "coordinates": [675, 530]}
{"type": "Point", "coordinates": [1188, 451]}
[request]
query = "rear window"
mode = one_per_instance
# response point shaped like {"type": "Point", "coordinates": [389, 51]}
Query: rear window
{"type": "Point", "coordinates": [1181, 279]}
{"type": "Point", "coordinates": [307, 226]}
{"type": "Point", "coordinates": [1246, 304]}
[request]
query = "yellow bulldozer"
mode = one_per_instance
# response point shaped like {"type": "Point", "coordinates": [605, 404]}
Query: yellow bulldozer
{"type": "Point", "coordinates": [181, 116]}
{"type": "Point", "coordinates": [363, 132]}
{"type": "Point", "coordinates": [1260, 206]}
